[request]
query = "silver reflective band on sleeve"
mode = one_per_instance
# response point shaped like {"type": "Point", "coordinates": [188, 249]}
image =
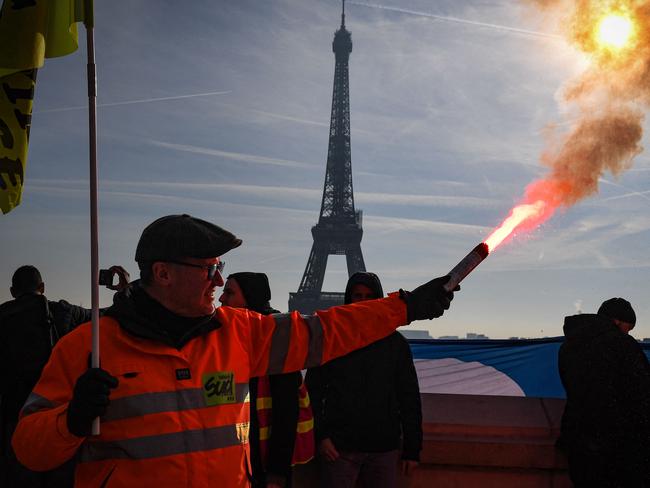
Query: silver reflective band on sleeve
{"type": "Point", "coordinates": [163, 444]}
{"type": "Point", "coordinates": [164, 401]}
{"type": "Point", "coordinates": [279, 343]}
{"type": "Point", "coordinates": [35, 403]}
{"type": "Point", "coordinates": [315, 353]}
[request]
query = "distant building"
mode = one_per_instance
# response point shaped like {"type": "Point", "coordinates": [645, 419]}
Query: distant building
{"type": "Point", "coordinates": [474, 335]}
{"type": "Point", "coordinates": [448, 337]}
{"type": "Point", "coordinates": [416, 334]}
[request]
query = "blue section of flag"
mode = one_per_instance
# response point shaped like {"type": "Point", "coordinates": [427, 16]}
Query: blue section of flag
{"type": "Point", "coordinates": [531, 363]}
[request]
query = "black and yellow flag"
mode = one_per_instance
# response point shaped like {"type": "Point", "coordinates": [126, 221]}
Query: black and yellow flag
{"type": "Point", "coordinates": [30, 31]}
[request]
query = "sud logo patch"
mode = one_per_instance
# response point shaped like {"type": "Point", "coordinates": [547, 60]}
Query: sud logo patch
{"type": "Point", "coordinates": [219, 388]}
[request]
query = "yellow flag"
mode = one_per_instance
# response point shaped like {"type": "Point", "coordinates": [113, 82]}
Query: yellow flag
{"type": "Point", "coordinates": [30, 31]}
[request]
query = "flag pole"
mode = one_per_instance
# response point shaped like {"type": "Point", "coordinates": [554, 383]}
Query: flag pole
{"type": "Point", "coordinates": [89, 22]}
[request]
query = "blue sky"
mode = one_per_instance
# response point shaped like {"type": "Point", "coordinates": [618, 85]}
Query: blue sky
{"type": "Point", "coordinates": [450, 101]}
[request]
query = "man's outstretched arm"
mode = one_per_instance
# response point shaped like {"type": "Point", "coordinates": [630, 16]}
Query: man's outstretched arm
{"type": "Point", "coordinates": [291, 342]}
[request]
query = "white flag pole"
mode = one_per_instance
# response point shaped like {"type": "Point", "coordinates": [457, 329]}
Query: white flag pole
{"type": "Point", "coordinates": [89, 22]}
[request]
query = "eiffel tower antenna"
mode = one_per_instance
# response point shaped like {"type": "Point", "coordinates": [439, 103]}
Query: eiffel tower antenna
{"type": "Point", "coordinates": [338, 230]}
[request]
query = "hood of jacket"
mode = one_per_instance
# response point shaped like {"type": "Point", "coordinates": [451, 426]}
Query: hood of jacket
{"type": "Point", "coordinates": [585, 327]}
{"type": "Point", "coordinates": [371, 280]}
{"type": "Point", "coordinates": [142, 316]}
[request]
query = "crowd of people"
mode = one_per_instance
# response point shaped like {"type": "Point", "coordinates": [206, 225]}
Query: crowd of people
{"type": "Point", "coordinates": [189, 394]}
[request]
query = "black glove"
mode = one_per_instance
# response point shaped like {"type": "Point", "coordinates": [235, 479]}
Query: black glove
{"type": "Point", "coordinates": [428, 301]}
{"type": "Point", "coordinates": [89, 400]}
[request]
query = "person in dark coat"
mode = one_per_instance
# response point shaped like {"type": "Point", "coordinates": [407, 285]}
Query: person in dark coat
{"type": "Point", "coordinates": [30, 325]}
{"type": "Point", "coordinates": [364, 403]}
{"type": "Point", "coordinates": [606, 423]}
{"type": "Point", "coordinates": [251, 291]}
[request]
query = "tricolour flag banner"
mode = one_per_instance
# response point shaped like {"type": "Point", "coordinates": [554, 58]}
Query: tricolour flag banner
{"type": "Point", "coordinates": [514, 367]}
{"type": "Point", "coordinates": [30, 31]}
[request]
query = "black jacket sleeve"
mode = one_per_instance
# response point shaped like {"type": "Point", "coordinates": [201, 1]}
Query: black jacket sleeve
{"type": "Point", "coordinates": [410, 406]}
{"type": "Point", "coordinates": [634, 387]}
{"type": "Point", "coordinates": [68, 316]}
{"type": "Point", "coordinates": [316, 381]}
{"type": "Point", "coordinates": [284, 420]}
{"type": "Point", "coordinates": [4, 360]}
{"type": "Point", "coordinates": [569, 415]}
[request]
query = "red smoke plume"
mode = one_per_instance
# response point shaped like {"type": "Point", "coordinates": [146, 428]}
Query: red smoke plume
{"type": "Point", "coordinates": [608, 97]}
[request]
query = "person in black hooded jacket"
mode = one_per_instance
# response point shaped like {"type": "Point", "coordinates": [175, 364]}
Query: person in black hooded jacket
{"type": "Point", "coordinates": [30, 325]}
{"type": "Point", "coordinates": [606, 423]}
{"type": "Point", "coordinates": [363, 403]}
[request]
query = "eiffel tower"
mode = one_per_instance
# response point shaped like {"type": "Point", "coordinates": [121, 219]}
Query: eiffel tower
{"type": "Point", "coordinates": [339, 226]}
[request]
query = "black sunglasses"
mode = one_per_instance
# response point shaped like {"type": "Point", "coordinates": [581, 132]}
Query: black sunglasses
{"type": "Point", "coordinates": [211, 268]}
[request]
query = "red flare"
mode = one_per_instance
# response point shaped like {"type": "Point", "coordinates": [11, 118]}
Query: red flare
{"type": "Point", "coordinates": [528, 214]}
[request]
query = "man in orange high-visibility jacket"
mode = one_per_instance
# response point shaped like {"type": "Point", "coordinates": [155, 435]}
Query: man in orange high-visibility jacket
{"type": "Point", "coordinates": [172, 389]}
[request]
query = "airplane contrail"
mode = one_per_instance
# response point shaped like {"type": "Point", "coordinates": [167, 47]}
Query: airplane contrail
{"type": "Point", "coordinates": [131, 102]}
{"type": "Point", "coordinates": [632, 193]}
{"type": "Point", "coordinates": [456, 20]}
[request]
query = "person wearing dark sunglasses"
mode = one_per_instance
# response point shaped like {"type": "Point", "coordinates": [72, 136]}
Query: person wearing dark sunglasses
{"type": "Point", "coordinates": [172, 392]}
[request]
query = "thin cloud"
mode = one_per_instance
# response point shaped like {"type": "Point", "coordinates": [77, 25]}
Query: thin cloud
{"type": "Point", "coordinates": [149, 188]}
{"type": "Point", "coordinates": [362, 197]}
{"type": "Point", "coordinates": [568, 266]}
{"type": "Point", "coordinates": [288, 118]}
{"type": "Point", "coordinates": [388, 225]}
{"type": "Point", "coordinates": [284, 192]}
{"type": "Point", "coordinates": [316, 193]}
{"type": "Point", "coordinates": [47, 188]}
{"type": "Point", "coordinates": [275, 115]}
{"type": "Point", "coordinates": [132, 102]}
{"type": "Point", "coordinates": [234, 156]}
{"type": "Point", "coordinates": [456, 20]}
{"type": "Point", "coordinates": [631, 193]}
{"type": "Point", "coordinates": [642, 194]}
{"type": "Point", "coordinates": [423, 200]}
{"type": "Point", "coordinates": [586, 244]}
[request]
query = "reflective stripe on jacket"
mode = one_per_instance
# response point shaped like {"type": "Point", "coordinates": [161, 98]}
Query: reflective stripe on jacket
{"type": "Point", "coordinates": [303, 450]}
{"type": "Point", "coordinates": [179, 418]}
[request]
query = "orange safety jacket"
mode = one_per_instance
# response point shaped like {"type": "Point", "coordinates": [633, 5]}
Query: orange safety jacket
{"type": "Point", "coordinates": [303, 450]}
{"type": "Point", "coordinates": [179, 418]}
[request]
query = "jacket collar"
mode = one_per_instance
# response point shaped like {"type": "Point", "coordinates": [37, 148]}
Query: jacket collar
{"type": "Point", "coordinates": [142, 316]}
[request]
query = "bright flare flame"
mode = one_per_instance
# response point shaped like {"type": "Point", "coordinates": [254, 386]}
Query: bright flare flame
{"type": "Point", "coordinates": [614, 31]}
{"type": "Point", "coordinates": [519, 215]}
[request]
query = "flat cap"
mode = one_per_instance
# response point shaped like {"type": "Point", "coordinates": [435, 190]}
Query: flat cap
{"type": "Point", "coordinates": [619, 309]}
{"type": "Point", "coordinates": [179, 236]}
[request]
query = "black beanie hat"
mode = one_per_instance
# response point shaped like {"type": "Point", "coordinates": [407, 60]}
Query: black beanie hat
{"type": "Point", "coordinates": [255, 287]}
{"type": "Point", "coordinates": [618, 308]}
{"type": "Point", "coordinates": [183, 236]}
{"type": "Point", "coordinates": [371, 280]}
